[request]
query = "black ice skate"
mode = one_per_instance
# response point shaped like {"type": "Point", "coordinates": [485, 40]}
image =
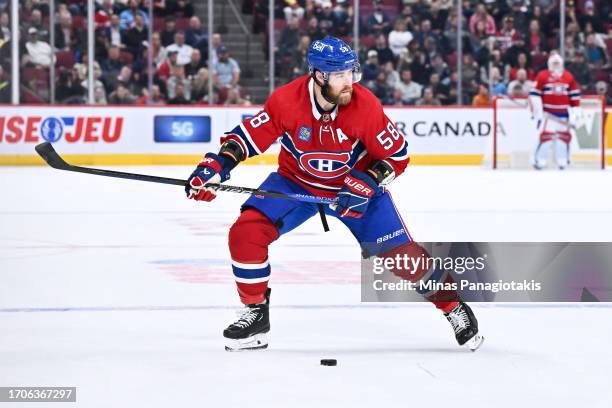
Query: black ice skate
{"type": "Point", "coordinates": [250, 331]}
{"type": "Point", "coordinates": [465, 326]}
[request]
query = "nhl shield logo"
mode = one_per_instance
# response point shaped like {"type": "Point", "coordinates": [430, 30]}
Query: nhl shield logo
{"type": "Point", "coordinates": [304, 134]}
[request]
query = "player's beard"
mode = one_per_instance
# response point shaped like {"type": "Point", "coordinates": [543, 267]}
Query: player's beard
{"type": "Point", "coordinates": [340, 98]}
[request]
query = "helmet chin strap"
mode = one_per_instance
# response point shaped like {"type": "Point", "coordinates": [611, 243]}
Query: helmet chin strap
{"type": "Point", "coordinates": [324, 89]}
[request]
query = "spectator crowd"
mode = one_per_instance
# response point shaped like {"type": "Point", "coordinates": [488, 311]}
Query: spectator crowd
{"type": "Point", "coordinates": [407, 48]}
{"type": "Point", "coordinates": [179, 49]}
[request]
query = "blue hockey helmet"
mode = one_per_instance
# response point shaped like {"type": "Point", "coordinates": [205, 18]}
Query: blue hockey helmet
{"type": "Point", "coordinates": [331, 55]}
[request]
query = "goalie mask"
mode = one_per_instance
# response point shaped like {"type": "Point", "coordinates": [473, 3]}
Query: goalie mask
{"type": "Point", "coordinates": [555, 64]}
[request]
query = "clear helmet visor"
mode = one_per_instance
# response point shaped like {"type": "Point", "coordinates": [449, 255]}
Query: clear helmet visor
{"type": "Point", "coordinates": [354, 75]}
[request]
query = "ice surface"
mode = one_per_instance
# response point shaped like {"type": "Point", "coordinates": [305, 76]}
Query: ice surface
{"type": "Point", "coordinates": [122, 289]}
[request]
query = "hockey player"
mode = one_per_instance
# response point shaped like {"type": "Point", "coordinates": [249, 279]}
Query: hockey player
{"type": "Point", "coordinates": [555, 101]}
{"type": "Point", "coordinates": [336, 142]}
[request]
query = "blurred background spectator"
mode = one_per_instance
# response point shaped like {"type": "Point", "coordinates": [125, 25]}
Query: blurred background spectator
{"type": "Point", "coordinates": [482, 98]}
{"type": "Point", "coordinates": [69, 90]}
{"type": "Point", "coordinates": [379, 22]}
{"type": "Point", "coordinates": [521, 85]}
{"type": "Point", "coordinates": [293, 9]}
{"type": "Point", "coordinates": [5, 88]}
{"type": "Point", "coordinates": [428, 98]}
{"type": "Point", "coordinates": [128, 16]}
{"type": "Point", "coordinates": [121, 96]}
{"type": "Point", "coordinates": [601, 89]}
{"type": "Point", "coordinates": [182, 49]}
{"type": "Point", "coordinates": [407, 48]}
{"type": "Point", "coordinates": [407, 91]}
{"type": "Point", "coordinates": [195, 36]}
{"type": "Point", "coordinates": [226, 73]}
{"type": "Point", "coordinates": [39, 52]}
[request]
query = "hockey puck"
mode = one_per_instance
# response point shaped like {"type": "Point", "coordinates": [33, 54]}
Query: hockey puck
{"type": "Point", "coordinates": [329, 361]}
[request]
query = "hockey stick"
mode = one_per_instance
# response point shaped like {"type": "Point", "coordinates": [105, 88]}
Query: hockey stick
{"type": "Point", "coordinates": [553, 118]}
{"type": "Point", "coordinates": [548, 116]}
{"type": "Point", "coordinates": [53, 159]}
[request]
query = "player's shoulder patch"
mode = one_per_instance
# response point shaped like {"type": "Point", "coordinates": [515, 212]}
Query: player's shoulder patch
{"type": "Point", "coordinates": [304, 133]}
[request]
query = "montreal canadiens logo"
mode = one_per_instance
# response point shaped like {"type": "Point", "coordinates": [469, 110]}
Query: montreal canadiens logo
{"type": "Point", "coordinates": [325, 165]}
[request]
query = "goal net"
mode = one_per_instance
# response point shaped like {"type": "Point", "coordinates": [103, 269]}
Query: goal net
{"type": "Point", "coordinates": [515, 137]}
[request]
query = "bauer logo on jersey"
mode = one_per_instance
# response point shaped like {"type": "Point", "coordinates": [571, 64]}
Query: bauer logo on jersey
{"type": "Point", "coordinates": [325, 165]}
{"type": "Point", "coordinates": [304, 134]}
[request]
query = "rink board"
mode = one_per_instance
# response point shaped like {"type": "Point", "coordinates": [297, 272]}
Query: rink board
{"type": "Point", "coordinates": [120, 135]}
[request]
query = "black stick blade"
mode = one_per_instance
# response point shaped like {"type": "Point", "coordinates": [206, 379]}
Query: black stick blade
{"type": "Point", "coordinates": [53, 159]}
{"type": "Point", "coordinates": [48, 153]}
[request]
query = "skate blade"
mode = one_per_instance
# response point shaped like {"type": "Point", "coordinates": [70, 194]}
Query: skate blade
{"type": "Point", "coordinates": [255, 342]}
{"type": "Point", "coordinates": [475, 342]}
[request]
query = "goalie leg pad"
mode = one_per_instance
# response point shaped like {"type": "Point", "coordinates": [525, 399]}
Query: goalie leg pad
{"type": "Point", "coordinates": [562, 153]}
{"type": "Point", "coordinates": [565, 137]}
{"type": "Point", "coordinates": [542, 152]}
{"type": "Point", "coordinates": [546, 137]}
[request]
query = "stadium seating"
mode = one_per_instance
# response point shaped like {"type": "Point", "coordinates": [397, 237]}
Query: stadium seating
{"type": "Point", "coordinates": [66, 59]}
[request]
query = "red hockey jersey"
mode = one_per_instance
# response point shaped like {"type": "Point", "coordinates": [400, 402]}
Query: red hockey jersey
{"type": "Point", "coordinates": [317, 149]}
{"type": "Point", "coordinates": [558, 93]}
